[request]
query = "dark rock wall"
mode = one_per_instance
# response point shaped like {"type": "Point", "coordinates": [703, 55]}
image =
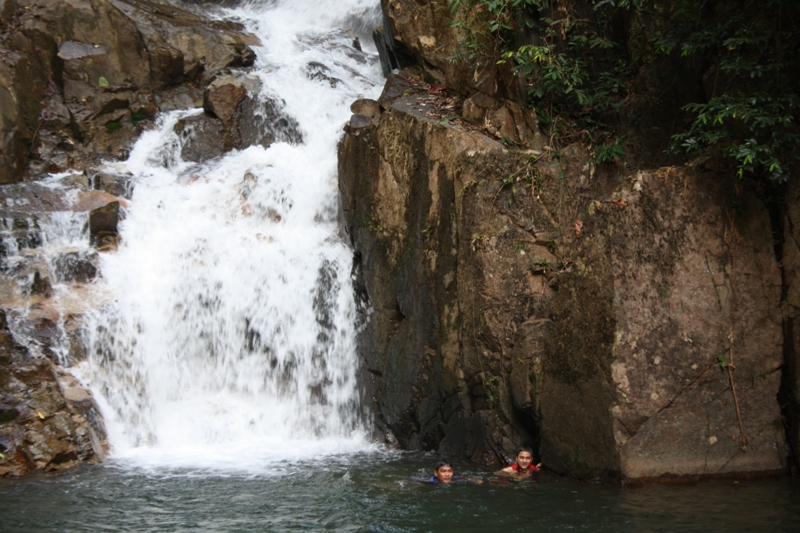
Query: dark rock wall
{"type": "Point", "coordinates": [649, 331]}
{"type": "Point", "coordinates": [577, 391]}
{"type": "Point", "coordinates": [691, 287]}
{"type": "Point", "coordinates": [517, 298]}
{"type": "Point", "coordinates": [417, 197]}
{"type": "Point", "coordinates": [627, 324]}
{"type": "Point", "coordinates": [790, 249]}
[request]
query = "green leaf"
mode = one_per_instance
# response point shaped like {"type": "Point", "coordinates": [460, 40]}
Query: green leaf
{"type": "Point", "coordinates": [102, 82]}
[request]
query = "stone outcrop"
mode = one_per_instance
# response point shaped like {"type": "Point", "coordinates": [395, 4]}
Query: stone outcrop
{"type": "Point", "coordinates": [424, 33]}
{"type": "Point", "coordinates": [80, 81]}
{"type": "Point", "coordinates": [790, 260]}
{"type": "Point", "coordinates": [415, 197]}
{"type": "Point", "coordinates": [29, 207]}
{"type": "Point", "coordinates": [590, 312]}
{"type": "Point", "coordinates": [235, 118]}
{"type": "Point", "coordinates": [47, 420]}
{"type": "Point", "coordinates": [665, 354]}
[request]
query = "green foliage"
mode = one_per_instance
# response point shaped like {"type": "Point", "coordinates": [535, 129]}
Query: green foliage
{"type": "Point", "coordinates": [751, 114]}
{"type": "Point", "coordinates": [608, 153]}
{"type": "Point", "coordinates": [138, 116]}
{"type": "Point", "coordinates": [758, 131]}
{"type": "Point", "coordinates": [102, 82]}
{"type": "Point", "coordinates": [578, 74]}
{"type": "Point", "coordinates": [113, 125]}
{"type": "Point", "coordinates": [575, 73]}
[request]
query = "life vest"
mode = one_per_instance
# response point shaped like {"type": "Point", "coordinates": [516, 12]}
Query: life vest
{"type": "Point", "coordinates": [531, 468]}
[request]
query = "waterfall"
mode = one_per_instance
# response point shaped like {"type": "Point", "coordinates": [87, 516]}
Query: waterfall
{"type": "Point", "coordinates": [230, 336]}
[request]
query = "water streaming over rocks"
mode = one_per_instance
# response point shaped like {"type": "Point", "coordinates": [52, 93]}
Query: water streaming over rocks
{"type": "Point", "coordinates": [231, 328]}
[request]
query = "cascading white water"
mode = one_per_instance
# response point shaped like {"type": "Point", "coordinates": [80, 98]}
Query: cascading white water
{"type": "Point", "coordinates": [231, 333]}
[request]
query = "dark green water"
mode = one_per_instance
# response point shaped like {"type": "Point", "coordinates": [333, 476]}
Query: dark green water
{"type": "Point", "coordinates": [367, 493]}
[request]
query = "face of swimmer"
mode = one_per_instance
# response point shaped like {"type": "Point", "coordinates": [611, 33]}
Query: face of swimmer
{"type": "Point", "coordinates": [524, 460]}
{"type": "Point", "coordinates": [444, 474]}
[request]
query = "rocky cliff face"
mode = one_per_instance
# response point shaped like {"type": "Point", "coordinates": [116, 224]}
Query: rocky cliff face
{"type": "Point", "coordinates": [666, 338]}
{"type": "Point", "coordinates": [47, 420]}
{"type": "Point", "coordinates": [79, 82]}
{"type": "Point", "coordinates": [625, 322]}
{"type": "Point", "coordinates": [790, 261]}
{"type": "Point", "coordinates": [447, 226]}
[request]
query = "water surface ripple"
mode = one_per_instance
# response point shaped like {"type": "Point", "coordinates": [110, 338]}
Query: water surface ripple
{"type": "Point", "coordinates": [371, 492]}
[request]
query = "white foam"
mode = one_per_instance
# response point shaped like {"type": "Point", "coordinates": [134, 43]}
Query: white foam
{"type": "Point", "coordinates": [231, 338]}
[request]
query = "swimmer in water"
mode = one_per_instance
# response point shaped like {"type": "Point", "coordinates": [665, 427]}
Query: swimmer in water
{"type": "Point", "coordinates": [443, 473]}
{"type": "Point", "coordinates": [524, 463]}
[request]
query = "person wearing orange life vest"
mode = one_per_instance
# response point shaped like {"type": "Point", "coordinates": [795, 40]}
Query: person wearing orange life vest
{"type": "Point", "coordinates": [524, 463]}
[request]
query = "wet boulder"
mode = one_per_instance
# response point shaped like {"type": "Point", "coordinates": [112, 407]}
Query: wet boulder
{"type": "Point", "coordinates": [27, 204]}
{"type": "Point", "coordinates": [114, 184]}
{"type": "Point", "coordinates": [223, 96]}
{"type": "Point", "coordinates": [365, 113]}
{"type": "Point", "coordinates": [75, 267]}
{"type": "Point", "coordinates": [41, 429]}
{"type": "Point", "coordinates": [203, 137]}
{"type": "Point", "coordinates": [235, 117]}
{"type": "Point", "coordinates": [31, 265]}
{"type": "Point", "coordinates": [103, 221]}
{"type": "Point", "coordinates": [319, 72]}
{"type": "Point", "coordinates": [47, 420]}
{"type": "Point", "coordinates": [367, 107]}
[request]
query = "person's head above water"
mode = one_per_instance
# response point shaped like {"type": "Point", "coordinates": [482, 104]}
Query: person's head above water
{"type": "Point", "coordinates": [443, 473]}
{"type": "Point", "coordinates": [523, 462]}
{"type": "Point", "coordinates": [524, 457]}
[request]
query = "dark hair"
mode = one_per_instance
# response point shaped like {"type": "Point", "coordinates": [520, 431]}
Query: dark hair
{"type": "Point", "coordinates": [443, 462]}
{"type": "Point", "coordinates": [523, 449]}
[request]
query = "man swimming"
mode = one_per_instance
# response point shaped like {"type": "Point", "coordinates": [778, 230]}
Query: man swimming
{"type": "Point", "coordinates": [443, 473]}
{"type": "Point", "coordinates": [524, 463]}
